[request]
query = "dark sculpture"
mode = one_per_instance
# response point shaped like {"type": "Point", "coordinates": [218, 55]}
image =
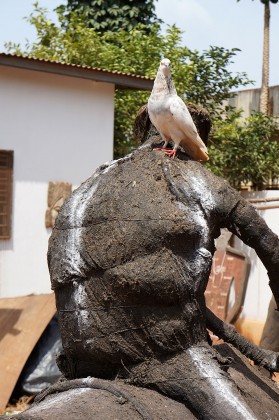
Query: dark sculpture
{"type": "Point", "coordinates": [129, 261]}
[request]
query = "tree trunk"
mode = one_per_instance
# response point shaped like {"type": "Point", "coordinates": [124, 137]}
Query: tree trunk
{"type": "Point", "coordinates": [264, 101]}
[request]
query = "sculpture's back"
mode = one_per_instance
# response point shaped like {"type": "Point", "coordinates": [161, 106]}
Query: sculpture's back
{"type": "Point", "coordinates": [129, 261]}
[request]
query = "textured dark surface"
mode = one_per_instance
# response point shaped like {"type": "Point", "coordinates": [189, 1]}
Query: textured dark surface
{"type": "Point", "coordinates": [104, 400]}
{"type": "Point", "coordinates": [129, 260]}
{"type": "Point", "coordinates": [101, 399]}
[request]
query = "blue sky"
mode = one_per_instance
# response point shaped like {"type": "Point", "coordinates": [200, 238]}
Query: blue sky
{"type": "Point", "coordinates": [224, 23]}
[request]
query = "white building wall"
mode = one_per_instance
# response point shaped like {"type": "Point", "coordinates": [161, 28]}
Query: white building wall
{"type": "Point", "coordinates": [258, 293]}
{"type": "Point", "coordinates": [249, 101]}
{"type": "Point", "coordinates": [61, 129]}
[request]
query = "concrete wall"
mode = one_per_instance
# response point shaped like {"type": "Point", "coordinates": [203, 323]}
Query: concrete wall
{"type": "Point", "coordinates": [249, 101]}
{"type": "Point", "coordinates": [61, 129]}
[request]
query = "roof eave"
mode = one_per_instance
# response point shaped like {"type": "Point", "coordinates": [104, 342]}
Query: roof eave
{"type": "Point", "coordinates": [121, 81]}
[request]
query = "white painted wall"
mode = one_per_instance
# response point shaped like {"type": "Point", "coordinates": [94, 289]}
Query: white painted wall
{"type": "Point", "coordinates": [61, 129]}
{"type": "Point", "coordinates": [258, 292]}
{"type": "Point", "coordinates": [249, 101]}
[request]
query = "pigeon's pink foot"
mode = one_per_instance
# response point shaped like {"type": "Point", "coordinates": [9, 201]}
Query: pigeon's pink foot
{"type": "Point", "coordinates": [158, 149]}
{"type": "Point", "coordinates": [169, 152]}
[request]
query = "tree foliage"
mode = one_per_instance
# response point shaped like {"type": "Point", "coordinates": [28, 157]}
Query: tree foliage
{"type": "Point", "coordinates": [245, 151]}
{"type": "Point", "coordinates": [111, 15]}
{"type": "Point", "coordinates": [240, 151]}
{"type": "Point", "coordinates": [200, 77]}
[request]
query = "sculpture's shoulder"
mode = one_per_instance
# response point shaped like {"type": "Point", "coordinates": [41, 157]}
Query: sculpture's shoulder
{"type": "Point", "coordinates": [121, 188]}
{"type": "Point", "coordinates": [141, 185]}
{"type": "Point", "coordinates": [195, 183]}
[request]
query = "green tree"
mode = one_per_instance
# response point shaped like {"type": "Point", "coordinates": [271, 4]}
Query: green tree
{"type": "Point", "coordinates": [245, 151]}
{"type": "Point", "coordinates": [200, 77]}
{"type": "Point", "coordinates": [264, 100]}
{"type": "Point", "coordinates": [112, 15]}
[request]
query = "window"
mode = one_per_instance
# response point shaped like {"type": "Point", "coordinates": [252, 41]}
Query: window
{"type": "Point", "coordinates": [6, 179]}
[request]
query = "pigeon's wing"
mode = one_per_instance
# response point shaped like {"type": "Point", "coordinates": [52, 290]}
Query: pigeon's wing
{"type": "Point", "coordinates": [192, 143]}
{"type": "Point", "coordinates": [182, 118]}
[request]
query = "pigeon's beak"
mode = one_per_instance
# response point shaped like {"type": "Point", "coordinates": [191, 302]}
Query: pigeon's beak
{"type": "Point", "coordinates": [165, 64]}
{"type": "Point", "coordinates": [165, 67]}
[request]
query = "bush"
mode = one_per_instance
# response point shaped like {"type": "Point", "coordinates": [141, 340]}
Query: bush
{"type": "Point", "coordinates": [245, 151]}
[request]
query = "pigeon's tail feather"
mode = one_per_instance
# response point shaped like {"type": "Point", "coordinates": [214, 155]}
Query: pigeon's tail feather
{"type": "Point", "coordinates": [202, 155]}
{"type": "Point", "coordinates": [194, 150]}
{"type": "Point", "coordinates": [197, 153]}
{"type": "Point", "coordinates": [195, 147]}
{"type": "Point", "coordinates": [202, 152]}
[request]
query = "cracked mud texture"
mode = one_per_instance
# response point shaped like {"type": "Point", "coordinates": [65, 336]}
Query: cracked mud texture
{"type": "Point", "coordinates": [116, 400]}
{"type": "Point", "coordinates": [129, 260]}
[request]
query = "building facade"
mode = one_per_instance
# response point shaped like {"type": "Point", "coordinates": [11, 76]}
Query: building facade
{"type": "Point", "coordinates": [56, 126]}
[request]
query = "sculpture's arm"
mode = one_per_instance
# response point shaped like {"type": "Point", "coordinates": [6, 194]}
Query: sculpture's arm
{"type": "Point", "coordinates": [245, 222]}
{"type": "Point", "coordinates": [267, 358]}
{"type": "Point", "coordinates": [242, 219]}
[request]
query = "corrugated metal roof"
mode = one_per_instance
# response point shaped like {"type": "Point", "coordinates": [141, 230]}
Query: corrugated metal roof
{"type": "Point", "coordinates": [121, 80]}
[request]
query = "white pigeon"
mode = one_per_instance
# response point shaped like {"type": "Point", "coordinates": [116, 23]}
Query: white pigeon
{"type": "Point", "coordinates": [171, 117]}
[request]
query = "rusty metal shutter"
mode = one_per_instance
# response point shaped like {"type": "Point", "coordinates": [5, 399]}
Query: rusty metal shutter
{"type": "Point", "coordinates": [6, 180]}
